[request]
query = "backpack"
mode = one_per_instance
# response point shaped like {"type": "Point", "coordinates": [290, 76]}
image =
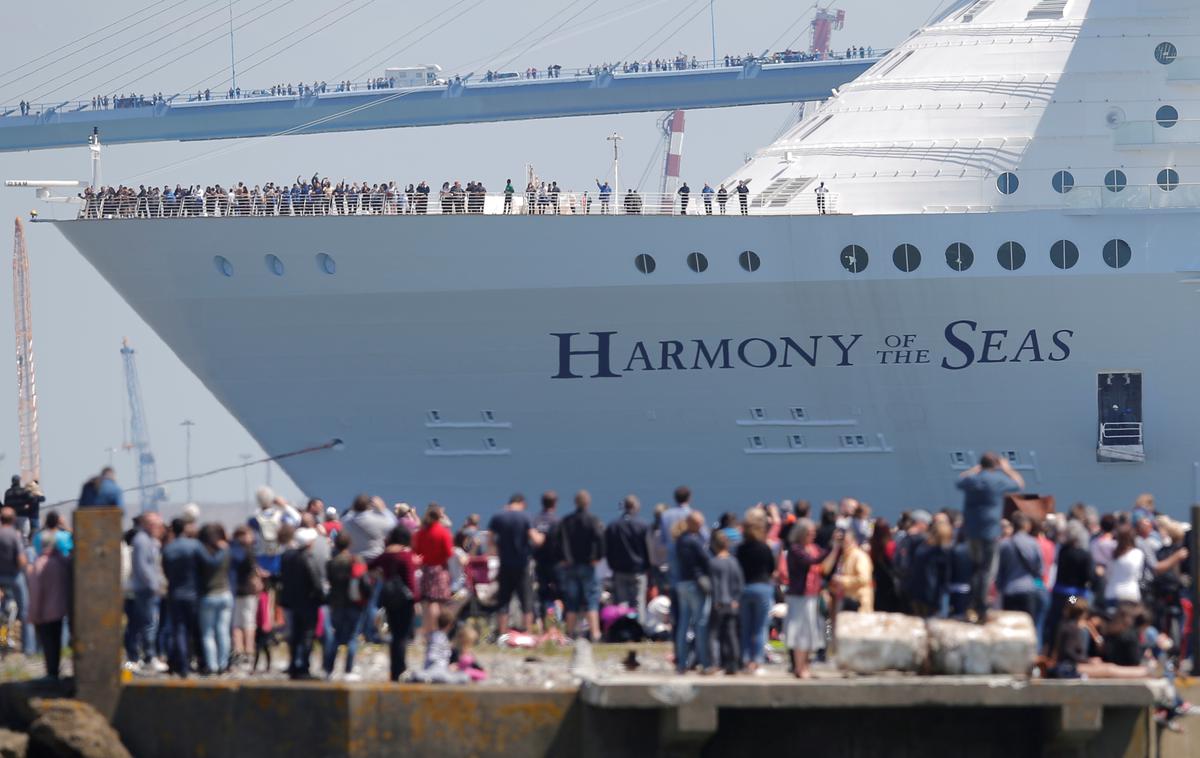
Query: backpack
{"type": "Point", "coordinates": [395, 595]}
{"type": "Point", "coordinates": [268, 529]}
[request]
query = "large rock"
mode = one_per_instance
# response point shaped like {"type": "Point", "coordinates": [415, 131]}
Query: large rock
{"type": "Point", "coordinates": [13, 744]}
{"type": "Point", "coordinates": [957, 648]}
{"type": "Point", "coordinates": [1012, 642]}
{"type": "Point", "coordinates": [871, 642]}
{"type": "Point", "coordinates": [72, 729]}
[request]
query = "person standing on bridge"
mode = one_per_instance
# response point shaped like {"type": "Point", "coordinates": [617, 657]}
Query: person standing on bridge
{"type": "Point", "coordinates": [685, 193]}
{"type": "Point", "coordinates": [984, 487]}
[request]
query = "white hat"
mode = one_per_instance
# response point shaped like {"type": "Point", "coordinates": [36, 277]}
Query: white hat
{"type": "Point", "coordinates": [305, 536]}
{"type": "Point", "coordinates": [191, 512]}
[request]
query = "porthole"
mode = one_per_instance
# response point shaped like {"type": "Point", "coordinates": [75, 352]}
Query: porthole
{"type": "Point", "coordinates": [1064, 254]}
{"type": "Point", "coordinates": [1167, 116]}
{"type": "Point", "coordinates": [1166, 53]}
{"type": "Point", "coordinates": [907, 258]}
{"type": "Point", "coordinates": [697, 262]}
{"type": "Point", "coordinates": [854, 258]}
{"type": "Point", "coordinates": [959, 256]}
{"type": "Point", "coordinates": [274, 265]}
{"type": "Point", "coordinates": [224, 267]}
{"type": "Point", "coordinates": [1011, 256]}
{"type": "Point", "coordinates": [1115, 181]}
{"type": "Point", "coordinates": [1168, 179]}
{"type": "Point", "coordinates": [326, 263]}
{"type": "Point", "coordinates": [1117, 253]}
{"type": "Point", "coordinates": [1007, 183]}
{"type": "Point", "coordinates": [1063, 182]}
{"type": "Point", "coordinates": [749, 260]}
{"type": "Point", "coordinates": [644, 263]}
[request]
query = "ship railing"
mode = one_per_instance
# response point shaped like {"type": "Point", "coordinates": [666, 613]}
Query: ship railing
{"type": "Point", "coordinates": [548, 203]}
{"type": "Point", "coordinates": [1169, 194]}
{"type": "Point", "coordinates": [1120, 433]}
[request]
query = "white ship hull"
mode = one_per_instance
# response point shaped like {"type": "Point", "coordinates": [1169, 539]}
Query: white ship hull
{"type": "Point", "coordinates": [433, 351]}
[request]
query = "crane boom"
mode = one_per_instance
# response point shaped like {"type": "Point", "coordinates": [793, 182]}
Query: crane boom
{"type": "Point", "coordinates": [27, 411]}
{"type": "Point", "coordinates": [139, 437]}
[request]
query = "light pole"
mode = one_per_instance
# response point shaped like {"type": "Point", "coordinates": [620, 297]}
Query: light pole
{"type": "Point", "coordinates": [232, 62]}
{"type": "Point", "coordinates": [615, 139]}
{"type": "Point", "coordinates": [187, 425]}
{"type": "Point", "coordinates": [246, 458]}
{"type": "Point", "coordinates": [712, 15]}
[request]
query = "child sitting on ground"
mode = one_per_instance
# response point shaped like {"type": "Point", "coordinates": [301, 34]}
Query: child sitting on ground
{"type": "Point", "coordinates": [437, 656]}
{"type": "Point", "coordinates": [464, 659]}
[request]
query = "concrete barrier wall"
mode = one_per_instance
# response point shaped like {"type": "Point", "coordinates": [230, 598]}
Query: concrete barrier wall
{"type": "Point", "coordinates": [262, 720]}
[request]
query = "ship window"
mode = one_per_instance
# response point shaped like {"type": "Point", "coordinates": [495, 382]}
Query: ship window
{"type": "Point", "coordinates": [1064, 254]}
{"type": "Point", "coordinates": [959, 256]}
{"type": "Point", "coordinates": [1007, 183]}
{"type": "Point", "coordinates": [490, 443]}
{"type": "Point", "coordinates": [274, 265]}
{"type": "Point", "coordinates": [1117, 253]}
{"type": "Point", "coordinates": [854, 258]}
{"type": "Point", "coordinates": [1114, 181]}
{"type": "Point", "coordinates": [697, 262]}
{"type": "Point", "coordinates": [958, 458]}
{"type": "Point", "coordinates": [756, 442]}
{"type": "Point", "coordinates": [854, 440]}
{"type": "Point", "coordinates": [434, 416]}
{"type": "Point", "coordinates": [1063, 182]}
{"type": "Point", "coordinates": [644, 263]}
{"type": "Point", "coordinates": [1012, 456]}
{"type": "Point", "coordinates": [907, 258]}
{"type": "Point", "coordinates": [224, 267]}
{"type": "Point", "coordinates": [749, 261]}
{"type": "Point", "coordinates": [758, 414]}
{"type": "Point", "coordinates": [326, 263]}
{"type": "Point", "coordinates": [1168, 179]}
{"type": "Point", "coordinates": [435, 443]}
{"type": "Point", "coordinates": [1167, 116]}
{"type": "Point", "coordinates": [1120, 438]}
{"type": "Point", "coordinates": [1011, 255]}
{"type": "Point", "coordinates": [488, 416]}
{"type": "Point", "coordinates": [798, 414]}
{"type": "Point", "coordinates": [1165, 53]}
{"type": "Point", "coordinates": [796, 440]}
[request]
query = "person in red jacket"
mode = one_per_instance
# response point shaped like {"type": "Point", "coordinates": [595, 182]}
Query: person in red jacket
{"type": "Point", "coordinates": [433, 545]}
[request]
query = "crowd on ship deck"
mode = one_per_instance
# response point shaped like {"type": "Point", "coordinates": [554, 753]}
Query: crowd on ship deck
{"type": "Point", "coordinates": [319, 196]}
{"type": "Point", "coordinates": [1106, 592]}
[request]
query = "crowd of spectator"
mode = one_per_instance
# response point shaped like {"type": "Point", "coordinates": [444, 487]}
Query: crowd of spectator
{"type": "Point", "coordinates": [319, 196]}
{"type": "Point", "coordinates": [1107, 593]}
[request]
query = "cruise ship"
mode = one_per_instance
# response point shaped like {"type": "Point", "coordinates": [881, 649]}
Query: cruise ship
{"type": "Point", "coordinates": [1008, 263]}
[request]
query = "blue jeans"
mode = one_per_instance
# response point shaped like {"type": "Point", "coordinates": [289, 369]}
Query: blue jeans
{"type": "Point", "coordinates": [367, 624]}
{"type": "Point", "coordinates": [216, 620]}
{"type": "Point", "coordinates": [757, 600]}
{"type": "Point", "coordinates": [185, 626]}
{"type": "Point", "coordinates": [141, 626]}
{"type": "Point", "coordinates": [345, 623]}
{"type": "Point", "coordinates": [301, 633]}
{"type": "Point", "coordinates": [580, 590]}
{"type": "Point", "coordinates": [694, 609]}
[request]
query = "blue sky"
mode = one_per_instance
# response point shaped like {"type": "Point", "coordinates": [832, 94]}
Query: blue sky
{"type": "Point", "coordinates": [79, 320]}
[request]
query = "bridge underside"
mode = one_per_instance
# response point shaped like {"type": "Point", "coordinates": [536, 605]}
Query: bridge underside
{"type": "Point", "coordinates": [434, 105]}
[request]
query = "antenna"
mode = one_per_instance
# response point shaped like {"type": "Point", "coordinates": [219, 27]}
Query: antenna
{"type": "Point", "coordinates": [94, 148]}
{"type": "Point", "coordinates": [615, 139]}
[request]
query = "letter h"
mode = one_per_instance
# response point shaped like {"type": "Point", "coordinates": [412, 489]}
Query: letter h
{"type": "Point", "coordinates": [565, 353]}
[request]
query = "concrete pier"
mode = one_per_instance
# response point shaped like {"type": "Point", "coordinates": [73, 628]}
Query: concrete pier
{"type": "Point", "coordinates": [645, 716]}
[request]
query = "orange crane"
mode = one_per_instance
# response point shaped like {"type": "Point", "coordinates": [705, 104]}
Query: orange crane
{"type": "Point", "coordinates": [27, 412]}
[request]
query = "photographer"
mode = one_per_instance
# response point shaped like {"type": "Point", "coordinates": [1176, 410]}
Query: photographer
{"type": "Point", "coordinates": [26, 503]}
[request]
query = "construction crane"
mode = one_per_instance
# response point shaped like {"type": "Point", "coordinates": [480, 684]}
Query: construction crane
{"type": "Point", "coordinates": [824, 24]}
{"type": "Point", "coordinates": [671, 126]}
{"type": "Point", "coordinates": [139, 437]}
{"type": "Point", "coordinates": [27, 413]}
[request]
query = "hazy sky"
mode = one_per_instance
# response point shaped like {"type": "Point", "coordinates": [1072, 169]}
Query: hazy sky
{"type": "Point", "coordinates": [79, 320]}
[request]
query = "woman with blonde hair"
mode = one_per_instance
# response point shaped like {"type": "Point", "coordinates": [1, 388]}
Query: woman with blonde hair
{"type": "Point", "coordinates": [434, 545]}
{"type": "Point", "coordinates": [855, 576]}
